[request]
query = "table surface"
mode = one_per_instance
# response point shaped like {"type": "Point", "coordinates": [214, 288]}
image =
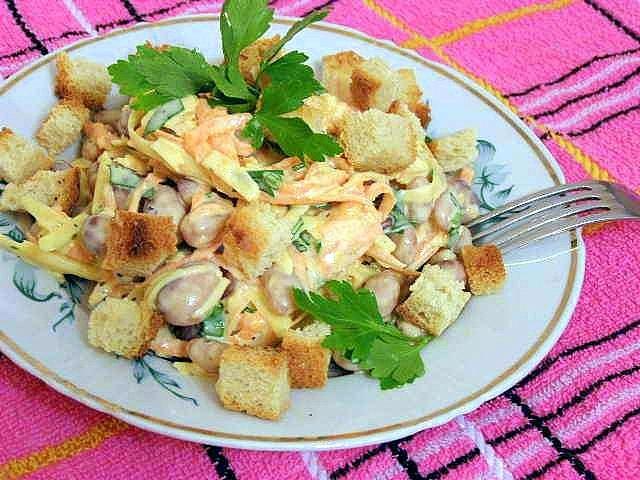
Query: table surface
{"type": "Point", "coordinates": [569, 69]}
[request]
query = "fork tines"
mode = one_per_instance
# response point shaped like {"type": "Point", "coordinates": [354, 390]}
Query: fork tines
{"type": "Point", "coordinates": [553, 210]}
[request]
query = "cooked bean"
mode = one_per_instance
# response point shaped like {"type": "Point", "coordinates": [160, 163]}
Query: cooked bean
{"type": "Point", "coordinates": [344, 363]}
{"type": "Point", "coordinates": [118, 118]}
{"type": "Point", "coordinates": [406, 245]}
{"type": "Point", "coordinates": [444, 210]}
{"type": "Point", "coordinates": [167, 203]}
{"type": "Point", "coordinates": [279, 287]}
{"type": "Point", "coordinates": [386, 287]}
{"type": "Point", "coordinates": [94, 233]}
{"type": "Point", "coordinates": [201, 226]}
{"type": "Point", "coordinates": [187, 189]}
{"type": "Point", "coordinates": [409, 329]}
{"type": "Point", "coordinates": [464, 238]}
{"type": "Point", "coordinates": [179, 300]}
{"type": "Point", "coordinates": [442, 255]}
{"type": "Point", "coordinates": [416, 211]}
{"type": "Point", "coordinates": [456, 267]}
{"type": "Point", "coordinates": [206, 353]}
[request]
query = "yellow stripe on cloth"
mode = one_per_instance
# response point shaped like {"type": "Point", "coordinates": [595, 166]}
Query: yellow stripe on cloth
{"type": "Point", "coordinates": [590, 166]}
{"type": "Point", "coordinates": [482, 23]}
{"type": "Point", "coordinates": [88, 440]}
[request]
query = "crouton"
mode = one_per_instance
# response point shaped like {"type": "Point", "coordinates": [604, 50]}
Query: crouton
{"type": "Point", "coordinates": [378, 141]}
{"type": "Point", "coordinates": [62, 126]}
{"type": "Point", "coordinates": [308, 359]}
{"type": "Point", "coordinates": [255, 234]}
{"type": "Point", "coordinates": [19, 158]}
{"type": "Point", "coordinates": [374, 85]}
{"type": "Point", "coordinates": [252, 56]}
{"type": "Point", "coordinates": [117, 325]}
{"type": "Point", "coordinates": [59, 189]}
{"type": "Point", "coordinates": [456, 150]}
{"type": "Point", "coordinates": [83, 80]}
{"type": "Point", "coordinates": [138, 243]}
{"type": "Point", "coordinates": [436, 300]}
{"type": "Point", "coordinates": [336, 74]}
{"type": "Point", "coordinates": [485, 269]}
{"type": "Point", "coordinates": [323, 113]}
{"type": "Point", "coordinates": [409, 92]}
{"type": "Point", "coordinates": [254, 381]}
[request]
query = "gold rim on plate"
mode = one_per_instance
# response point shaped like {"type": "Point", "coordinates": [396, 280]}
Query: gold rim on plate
{"type": "Point", "coordinates": [57, 382]}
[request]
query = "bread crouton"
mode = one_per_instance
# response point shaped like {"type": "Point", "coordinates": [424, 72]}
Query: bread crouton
{"type": "Point", "coordinates": [62, 126]}
{"type": "Point", "coordinates": [485, 269]}
{"type": "Point", "coordinates": [254, 381]}
{"type": "Point", "coordinates": [255, 234]}
{"type": "Point", "coordinates": [323, 113]}
{"type": "Point", "coordinates": [117, 325]}
{"type": "Point", "coordinates": [55, 189]}
{"type": "Point", "coordinates": [251, 57]}
{"type": "Point", "coordinates": [19, 158]}
{"type": "Point", "coordinates": [138, 243]}
{"type": "Point", "coordinates": [436, 300]}
{"type": "Point", "coordinates": [409, 92]}
{"type": "Point", "coordinates": [374, 85]}
{"type": "Point", "coordinates": [336, 74]}
{"type": "Point", "coordinates": [83, 80]}
{"type": "Point", "coordinates": [308, 359]}
{"type": "Point", "coordinates": [456, 150]}
{"type": "Point", "coordinates": [378, 141]}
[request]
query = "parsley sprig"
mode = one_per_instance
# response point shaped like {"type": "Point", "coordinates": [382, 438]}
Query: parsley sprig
{"type": "Point", "coordinates": [157, 76]}
{"type": "Point", "coordinates": [269, 181]}
{"type": "Point", "coordinates": [359, 332]}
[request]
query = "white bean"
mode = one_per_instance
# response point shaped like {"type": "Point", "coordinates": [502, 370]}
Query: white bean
{"type": "Point", "coordinates": [187, 189]}
{"type": "Point", "coordinates": [279, 287]}
{"type": "Point", "coordinates": [94, 233]}
{"type": "Point", "coordinates": [409, 329]}
{"type": "Point", "coordinates": [201, 226]}
{"type": "Point", "coordinates": [386, 287]}
{"type": "Point", "coordinates": [455, 267]}
{"type": "Point", "coordinates": [406, 245]}
{"type": "Point", "coordinates": [416, 211]}
{"type": "Point", "coordinates": [179, 300]}
{"type": "Point", "coordinates": [464, 238]}
{"type": "Point", "coordinates": [166, 203]}
{"type": "Point", "coordinates": [206, 353]}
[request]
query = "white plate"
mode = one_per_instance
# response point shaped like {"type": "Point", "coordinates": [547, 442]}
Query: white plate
{"type": "Point", "coordinates": [496, 342]}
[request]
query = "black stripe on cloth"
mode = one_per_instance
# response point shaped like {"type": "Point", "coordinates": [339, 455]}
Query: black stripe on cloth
{"type": "Point", "coordinates": [37, 44]}
{"type": "Point", "coordinates": [159, 11]}
{"type": "Point", "coordinates": [571, 72]}
{"type": "Point", "coordinates": [609, 16]}
{"type": "Point", "coordinates": [369, 454]}
{"type": "Point", "coordinates": [599, 123]}
{"type": "Point", "coordinates": [220, 462]}
{"type": "Point", "coordinates": [598, 91]}
{"type": "Point", "coordinates": [452, 465]}
{"type": "Point", "coordinates": [402, 457]}
{"type": "Point", "coordinates": [604, 433]}
{"type": "Point", "coordinates": [538, 423]}
{"type": "Point", "coordinates": [18, 53]}
{"type": "Point", "coordinates": [549, 361]}
{"type": "Point", "coordinates": [328, 3]}
{"type": "Point", "coordinates": [131, 10]}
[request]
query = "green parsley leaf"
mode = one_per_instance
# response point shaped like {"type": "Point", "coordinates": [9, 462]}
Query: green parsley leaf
{"type": "Point", "coordinates": [269, 181]}
{"type": "Point", "coordinates": [302, 238]}
{"type": "Point", "coordinates": [288, 68]}
{"type": "Point", "coordinates": [296, 28]}
{"type": "Point", "coordinates": [456, 221]}
{"type": "Point", "coordinates": [397, 221]}
{"type": "Point", "coordinates": [156, 76]}
{"type": "Point", "coordinates": [214, 324]}
{"type": "Point", "coordinates": [297, 139]}
{"type": "Point", "coordinates": [359, 332]}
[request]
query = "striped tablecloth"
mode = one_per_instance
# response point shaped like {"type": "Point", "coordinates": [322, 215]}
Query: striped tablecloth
{"type": "Point", "coordinates": [570, 69]}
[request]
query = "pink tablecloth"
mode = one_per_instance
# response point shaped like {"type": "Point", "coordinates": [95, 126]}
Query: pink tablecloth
{"type": "Point", "coordinates": [570, 69]}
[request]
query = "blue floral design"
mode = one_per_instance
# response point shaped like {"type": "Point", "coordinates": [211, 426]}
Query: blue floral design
{"type": "Point", "coordinates": [490, 178]}
{"type": "Point", "coordinates": [142, 366]}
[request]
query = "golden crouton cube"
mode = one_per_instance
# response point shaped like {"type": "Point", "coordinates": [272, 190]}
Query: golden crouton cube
{"type": "Point", "coordinates": [20, 158]}
{"type": "Point", "coordinates": [409, 92]}
{"type": "Point", "coordinates": [436, 300]}
{"type": "Point", "coordinates": [485, 269]}
{"type": "Point", "coordinates": [378, 141]}
{"type": "Point", "coordinates": [308, 359]}
{"type": "Point", "coordinates": [63, 125]}
{"type": "Point", "coordinates": [55, 189]}
{"type": "Point", "coordinates": [138, 243]}
{"type": "Point", "coordinates": [83, 80]}
{"type": "Point", "coordinates": [254, 381]}
{"type": "Point", "coordinates": [255, 234]}
{"type": "Point", "coordinates": [323, 113]}
{"type": "Point", "coordinates": [456, 150]}
{"type": "Point", "coordinates": [252, 56]}
{"type": "Point", "coordinates": [336, 74]}
{"type": "Point", "coordinates": [117, 325]}
{"type": "Point", "coordinates": [374, 85]}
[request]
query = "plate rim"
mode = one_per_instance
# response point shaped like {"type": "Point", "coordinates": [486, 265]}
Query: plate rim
{"type": "Point", "coordinates": [503, 382]}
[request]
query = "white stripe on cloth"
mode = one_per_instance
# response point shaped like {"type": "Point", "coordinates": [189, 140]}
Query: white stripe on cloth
{"type": "Point", "coordinates": [497, 468]}
{"type": "Point", "coordinates": [496, 416]}
{"type": "Point", "coordinates": [524, 454]}
{"type": "Point", "coordinates": [315, 469]}
{"type": "Point", "coordinates": [586, 82]}
{"type": "Point", "coordinates": [289, 9]}
{"type": "Point", "coordinates": [79, 16]}
{"type": "Point", "coordinates": [595, 107]}
{"type": "Point", "coordinates": [601, 409]}
{"type": "Point", "coordinates": [204, 7]}
{"type": "Point", "coordinates": [567, 378]}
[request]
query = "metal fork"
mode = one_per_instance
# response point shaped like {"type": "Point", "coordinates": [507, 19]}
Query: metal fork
{"type": "Point", "coordinates": [552, 211]}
